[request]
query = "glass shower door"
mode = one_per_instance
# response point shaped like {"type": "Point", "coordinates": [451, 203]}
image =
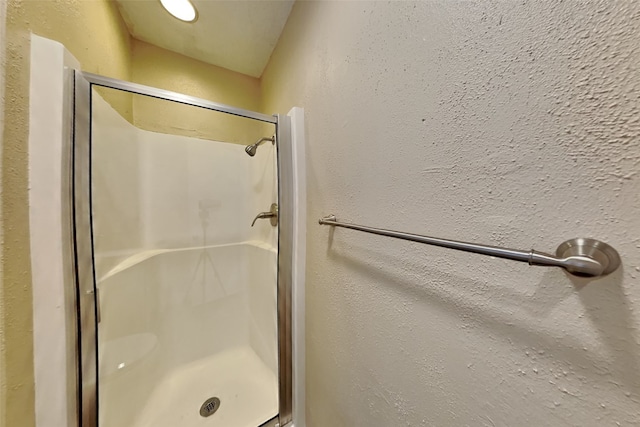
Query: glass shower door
{"type": "Point", "coordinates": [186, 287]}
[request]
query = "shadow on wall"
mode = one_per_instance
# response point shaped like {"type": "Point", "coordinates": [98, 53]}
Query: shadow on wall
{"type": "Point", "coordinates": [605, 305]}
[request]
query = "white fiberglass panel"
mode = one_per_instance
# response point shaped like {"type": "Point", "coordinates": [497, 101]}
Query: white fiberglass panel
{"type": "Point", "coordinates": [187, 288]}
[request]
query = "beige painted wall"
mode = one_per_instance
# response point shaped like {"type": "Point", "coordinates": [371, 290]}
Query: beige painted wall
{"type": "Point", "coordinates": [505, 123]}
{"type": "Point", "coordinates": [3, 382]}
{"type": "Point", "coordinates": [157, 67]}
{"type": "Point", "coordinates": [95, 35]}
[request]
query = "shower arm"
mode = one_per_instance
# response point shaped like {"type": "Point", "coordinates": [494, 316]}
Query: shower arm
{"type": "Point", "coordinates": [263, 140]}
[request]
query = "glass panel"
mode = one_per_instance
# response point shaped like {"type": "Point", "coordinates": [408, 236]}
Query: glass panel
{"type": "Point", "coordinates": [187, 288]}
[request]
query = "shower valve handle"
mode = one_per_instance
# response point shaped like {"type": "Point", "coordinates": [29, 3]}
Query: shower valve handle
{"type": "Point", "coordinates": [272, 214]}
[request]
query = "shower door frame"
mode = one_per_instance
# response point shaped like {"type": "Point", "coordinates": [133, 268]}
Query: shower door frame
{"type": "Point", "coordinates": [84, 268]}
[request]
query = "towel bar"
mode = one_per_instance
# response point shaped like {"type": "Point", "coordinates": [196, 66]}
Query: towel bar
{"type": "Point", "coordinates": [580, 256]}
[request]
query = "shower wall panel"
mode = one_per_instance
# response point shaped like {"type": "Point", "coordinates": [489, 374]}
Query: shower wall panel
{"type": "Point", "coordinates": [196, 191]}
{"type": "Point", "coordinates": [177, 189]}
{"type": "Point", "coordinates": [118, 176]}
{"type": "Point", "coordinates": [182, 275]}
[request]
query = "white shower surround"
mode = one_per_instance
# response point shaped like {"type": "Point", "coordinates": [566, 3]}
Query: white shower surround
{"type": "Point", "coordinates": [54, 322]}
{"type": "Point", "coordinates": [181, 275]}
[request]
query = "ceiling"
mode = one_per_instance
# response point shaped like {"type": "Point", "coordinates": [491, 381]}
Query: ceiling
{"type": "Point", "coordinates": [238, 35]}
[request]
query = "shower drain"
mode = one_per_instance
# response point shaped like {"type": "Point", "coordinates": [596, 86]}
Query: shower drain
{"type": "Point", "coordinates": [210, 406]}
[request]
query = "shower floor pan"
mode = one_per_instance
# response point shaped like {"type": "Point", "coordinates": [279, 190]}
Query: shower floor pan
{"type": "Point", "coordinates": [247, 389]}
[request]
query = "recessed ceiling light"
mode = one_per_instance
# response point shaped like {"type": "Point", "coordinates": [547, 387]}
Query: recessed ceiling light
{"type": "Point", "coordinates": [181, 9]}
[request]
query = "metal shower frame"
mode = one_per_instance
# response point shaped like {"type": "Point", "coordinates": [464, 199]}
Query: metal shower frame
{"type": "Point", "coordinates": [84, 268]}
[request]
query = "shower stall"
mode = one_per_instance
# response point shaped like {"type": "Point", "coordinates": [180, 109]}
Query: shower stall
{"type": "Point", "coordinates": [183, 219]}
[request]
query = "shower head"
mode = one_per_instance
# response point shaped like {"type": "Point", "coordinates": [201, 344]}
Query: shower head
{"type": "Point", "coordinates": [251, 149]}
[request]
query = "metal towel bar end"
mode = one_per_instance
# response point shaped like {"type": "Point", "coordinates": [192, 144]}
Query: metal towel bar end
{"type": "Point", "coordinates": [580, 256]}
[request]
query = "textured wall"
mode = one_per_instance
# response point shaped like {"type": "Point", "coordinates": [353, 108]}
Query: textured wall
{"type": "Point", "coordinates": [506, 123]}
{"type": "Point", "coordinates": [95, 34]}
